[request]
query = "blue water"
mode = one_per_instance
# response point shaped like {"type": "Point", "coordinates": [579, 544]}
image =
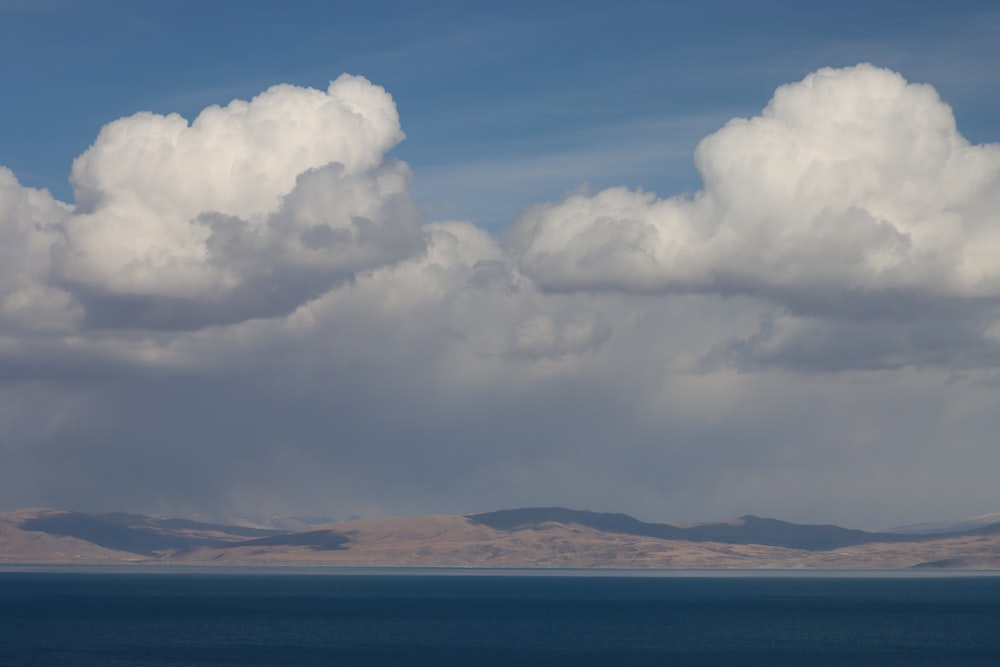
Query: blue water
{"type": "Point", "coordinates": [99, 618]}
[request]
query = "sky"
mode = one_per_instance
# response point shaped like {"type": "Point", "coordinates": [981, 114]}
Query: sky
{"type": "Point", "coordinates": [685, 261]}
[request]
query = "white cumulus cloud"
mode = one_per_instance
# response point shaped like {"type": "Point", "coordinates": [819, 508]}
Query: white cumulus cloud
{"type": "Point", "coordinates": [244, 212]}
{"type": "Point", "coordinates": [851, 181]}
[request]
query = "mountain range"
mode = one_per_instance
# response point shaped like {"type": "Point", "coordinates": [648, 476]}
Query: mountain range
{"type": "Point", "coordinates": [528, 537]}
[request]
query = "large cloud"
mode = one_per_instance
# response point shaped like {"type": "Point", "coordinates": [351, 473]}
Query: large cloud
{"type": "Point", "coordinates": [244, 316]}
{"type": "Point", "coordinates": [851, 183]}
{"type": "Point", "coordinates": [852, 204]}
{"type": "Point", "coordinates": [247, 211]}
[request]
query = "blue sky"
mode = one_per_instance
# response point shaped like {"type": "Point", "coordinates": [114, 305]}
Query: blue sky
{"type": "Point", "coordinates": [259, 314]}
{"type": "Point", "coordinates": [503, 103]}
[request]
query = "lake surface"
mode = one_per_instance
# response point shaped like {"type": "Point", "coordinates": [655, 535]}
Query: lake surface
{"type": "Point", "coordinates": [95, 617]}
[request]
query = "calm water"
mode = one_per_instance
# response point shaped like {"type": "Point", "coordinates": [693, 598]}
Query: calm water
{"type": "Point", "coordinates": [377, 619]}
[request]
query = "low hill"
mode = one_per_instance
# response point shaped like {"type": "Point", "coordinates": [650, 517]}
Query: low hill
{"type": "Point", "coordinates": [529, 537]}
{"type": "Point", "coordinates": [747, 529]}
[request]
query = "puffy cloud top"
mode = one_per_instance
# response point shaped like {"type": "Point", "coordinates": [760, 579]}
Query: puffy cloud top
{"type": "Point", "coordinates": [850, 181]}
{"type": "Point", "coordinates": [239, 159]}
{"type": "Point", "coordinates": [851, 185]}
{"type": "Point", "coordinates": [246, 211]}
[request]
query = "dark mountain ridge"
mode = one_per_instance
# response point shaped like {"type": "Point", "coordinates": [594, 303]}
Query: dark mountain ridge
{"type": "Point", "coordinates": [139, 534]}
{"type": "Point", "coordinates": [747, 529]}
{"type": "Point", "coordinates": [157, 538]}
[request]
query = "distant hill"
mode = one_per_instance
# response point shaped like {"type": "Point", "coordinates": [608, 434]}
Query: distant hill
{"type": "Point", "coordinates": [527, 537]}
{"type": "Point", "coordinates": [987, 522]}
{"type": "Point", "coordinates": [747, 529]}
{"type": "Point", "coordinates": [139, 534]}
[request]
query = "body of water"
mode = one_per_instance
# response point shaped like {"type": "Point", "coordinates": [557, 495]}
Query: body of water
{"type": "Point", "coordinates": [186, 618]}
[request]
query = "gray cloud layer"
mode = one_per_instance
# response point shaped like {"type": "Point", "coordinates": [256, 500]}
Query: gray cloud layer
{"type": "Point", "coordinates": [248, 313]}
